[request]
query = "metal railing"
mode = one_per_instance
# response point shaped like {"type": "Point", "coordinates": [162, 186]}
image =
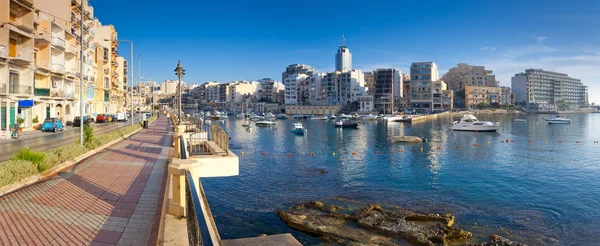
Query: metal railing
{"type": "Point", "coordinates": [197, 225]}
{"type": "Point", "coordinates": [58, 68]}
{"type": "Point", "coordinates": [19, 89]}
{"type": "Point", "coordinates": [58, 42]}
{"type": "Point", "coordinates": [220, 137]}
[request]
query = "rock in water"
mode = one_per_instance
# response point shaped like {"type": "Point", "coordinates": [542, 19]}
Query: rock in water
{"type": "Point", "coordinates": [373, 225]}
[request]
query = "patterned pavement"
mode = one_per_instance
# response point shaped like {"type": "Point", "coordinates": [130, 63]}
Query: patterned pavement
{"type": "Point", "coordinates": [112, 198]}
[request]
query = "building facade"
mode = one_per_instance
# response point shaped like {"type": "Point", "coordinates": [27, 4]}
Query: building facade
{"type": "Point", "coordinates": [469, 75]}
{"type": "Point", "coordinates": [541, 90]}
{"type": "Point", "coordinates": [475, 95]}
{"type": "Point", "coordinates": [388, 86]}
{"type": "Point", "coordinates": [297, 69]}
{"type": "Point", "coordinates": [424, 91]}
{"type": "Point", "coordinates": [294, 89]}
{"type": "Point", "coordinates": [343, 58]}
{"type": "Point", "coordinates": [312, 109]}
{"type": "Point", "coordinates": [343, 87]}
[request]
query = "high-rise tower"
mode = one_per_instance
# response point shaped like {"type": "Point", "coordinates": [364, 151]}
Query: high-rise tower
{"type": "Point", "coordinates": [343, 58]}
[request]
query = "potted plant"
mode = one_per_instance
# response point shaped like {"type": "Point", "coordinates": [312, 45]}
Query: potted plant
{"type": "Point", "coordinates": [20, 121]}
{"type": "Point", "coordinates": [35, 123]}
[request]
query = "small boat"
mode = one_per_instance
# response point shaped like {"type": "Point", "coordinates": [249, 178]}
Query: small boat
{"type": "Point", "coordinates": [470, 123]}
{"type": "Point", "coordinates": [298, 116]}
{"type": "Point", "coordinates": [409, 139]}
{"type": "Point", "coordinates": [332, 117]}
{"type": "Point", "coordinates": [246, 124]}
{"type": "Point", "coordinates": [270, 116]}
{"type": "Point", "coordinates": [265, 122]}
{"type": "Point", "coordinates": [520, 120]}
{"type": "Point", "coordinates": [558, 119]}
{"type": "Point", "coordinates": [369, 117]}
{"type": "Point", "coordinates": [249, 129]}
{"type": "Point", "coordinates": [343, 116]}
{"type": "Point", "coordinates": [320, 118]}
{"type": "Point", "coordinates": [255, 118]}
{"type": "Point", "coordinates": [215, 117]}
{"type": "Point", "coordinates": [345, 124]}
{"type": "Point", "coordinates": [282, 117]}
{"type": "Point", "coordinates": [299, 129]}
{"type": "Point", "coordinates": [224, 117]}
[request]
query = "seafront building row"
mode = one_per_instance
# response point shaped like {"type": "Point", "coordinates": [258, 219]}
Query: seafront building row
{"type": "Point", "coordinates": [388, 90]}
{"type": "Point", "coordinates": [40, 62]}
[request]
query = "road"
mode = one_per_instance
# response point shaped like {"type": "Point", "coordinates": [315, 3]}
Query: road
{"type": "Point", "coordinates": [41, 141]}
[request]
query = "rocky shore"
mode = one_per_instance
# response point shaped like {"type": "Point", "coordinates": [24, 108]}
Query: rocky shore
{"type": "Point", "coordinates": [374, 225]}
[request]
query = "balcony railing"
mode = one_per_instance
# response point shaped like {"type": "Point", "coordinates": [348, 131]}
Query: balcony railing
{"type": "Point", "coordinates": [58, 68]}
{"type": "Point", "coordinates": [3, 53]}
{"type": "Point", "coordinates": [69, 95]}
{"type": "Point", "coordinates": [19, 89]}
{"type": "Point", "coordinates": [73, 49]}
{"type": "Point", "coordinates": [42, 92]}
{"type": "Point", "coordinates": [57, 93]}
{"type": "Point", "coordinates": [45, 35]}
{"type": "Point", "coordinates": [23, 56]}
{"type": "Point", "coordinates": [57, 41]}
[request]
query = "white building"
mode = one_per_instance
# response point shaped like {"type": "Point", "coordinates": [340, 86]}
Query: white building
{"type": "Point", "coordinates": [317, 89]}
{"type": "Point", "coordinates": [469, 75]}
{"type": "Point", "coordinates": [422, 91]}
{"type": "Point", "coordinates": [343, 58]}
{"type": "Point", "coordinates": [169, 86]}
{"type": "Point", "coordinates": [239, 89]}
{"type": "Point", "coordinates": [342, 87]}
{"type": "Point", "coordinates": [541, 90]}
{"type": "Point", "coordinates": [294, 88]}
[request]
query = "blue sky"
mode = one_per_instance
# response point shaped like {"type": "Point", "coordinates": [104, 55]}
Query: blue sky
{"type": "Point", "coordinates": [236, 40]}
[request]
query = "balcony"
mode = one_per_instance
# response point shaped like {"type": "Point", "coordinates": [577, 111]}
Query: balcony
{"type": "Point", "coordinates": [3, 53]}
{"type": "Point", "coordinates": [42, 92]}
{"type": "Point", "coordinates": [43, 37]}
{"type": "Point", "coordinates": [58, 68]}
{"type": "Point", "coordinates": [19, 89]}
{"type": "Point", "coordinates": [71, 72]}
{"type": "Point", "coordinates": [72, 50]}
{"type": "Point", "coordinates": [59, 43]}
{"type": "Point", "coordinates": [69, 95]}
{"type": "Point", "coordinates": [42, 65]}
{"type": "Point", "coordinates": [22, 24]}
{"type": "Point", "coordinates": [23, 57]}
{"type": "Point", "coordinates": [57, 93]}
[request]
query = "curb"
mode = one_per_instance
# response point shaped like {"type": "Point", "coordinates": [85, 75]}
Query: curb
{"type": "Point", "coordinates": [61, 167]}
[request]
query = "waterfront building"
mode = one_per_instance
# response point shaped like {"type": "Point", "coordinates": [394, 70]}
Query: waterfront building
{"type": "Point", "coordinates": [294, 89]}
{"type": "Point", "coordinates": [425, 93]}
{"type": "Point", "coordinates": [388, 85]}
{"type": "Point", "coordinates": [268, 89]}
{"type": "Point", "coordinates": [370, 82]}
{"type": "Point", "coordinates": [223, 92]}
{"type": "Point", "coordinates": [365, 103]}
{"type": "Point", "coordinates": [540, 90]}
{"type": "Point", "coordinates": [238, 90]}
{"type": "Point", "coordinates": [507, 96]}
{"type": "Point", "coordinates": [469, 75]}
{"type": "Point", "coordinates": [107, 38]}
{"type": "Point", "coordinates": [297, 69]}
{"type": "Point", "coordinates": [169, 86]}
{"type": "Point", "coordinates": [405, 99]}
{"type": "Point", "coordinates": [342, 87]}
{"type": "Point", "coordinates": [343, 58]}
{"type": "Point", "coordinates": [447, 100]}
{"type": "Point", "coordinates": [317, 89]}
{"type": "Point", "coordinates": [475, 95]}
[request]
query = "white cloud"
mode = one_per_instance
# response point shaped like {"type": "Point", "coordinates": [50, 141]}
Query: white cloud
{"type": "Point", "coordinates": [530, 49]}
{"type": "Point", "coordinates": [540, 39]}
{"type": "Point", "coordinates": [484, 48]}
{"type": "Point", "coordinates": [493, 48]}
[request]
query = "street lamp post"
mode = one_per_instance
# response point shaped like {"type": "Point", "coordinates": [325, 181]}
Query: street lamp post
{"type": "Point", "coordinates": [179, 71]}
{"type": "Point", "coordinates": [131, 77]}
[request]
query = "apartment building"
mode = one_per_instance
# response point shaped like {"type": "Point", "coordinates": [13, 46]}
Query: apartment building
{"type": "Point", "coordinates": [297, 69]}
{"type": "Point", "coordinates": [507, 96]}
{"type": "Point", "coordinates": [223, 90]}
{"type": "Point", "coordinates": [425, 89]}
{"type": "Point", "coordinates": [469, 75]}
{"type": "Point", "coordinates": [344, 87]}
{"type": "Point", "coordinates": [405, 99]}
{"type": "Point", "coordinates": [388, 86]}
{"type": "Point", "coordinates": [447, 100]}
{"type": "Point", "coordinates": [268, 90]}
{"type": "Point", "coordinates": [238, 90]}
{"type": "Point", "coordinates": [369, 82]}
{"type": "Point", "coordinates": [294, 89]}
{"type": "Point", "coordinates": [541, 90]}
{"type": "Point", "coordinates": [481, 94]}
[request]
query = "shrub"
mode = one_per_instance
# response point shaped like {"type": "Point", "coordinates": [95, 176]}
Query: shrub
{"type": "Point", "coordinates": [12, 171]}
{"type": "Point", "coordinates": [88, 137]}
{"type": "Point", "coordinates": [35, 119]}
{"type": "Point", "coordinates": [68, 152]}
{"type": "Point", "coordinates": [52, 159]}
{"type": "Point", "coordinates": [38, 159]}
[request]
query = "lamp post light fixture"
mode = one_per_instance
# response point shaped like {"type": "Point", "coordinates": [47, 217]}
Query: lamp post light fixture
{"type": "Point", "coordinates": [179, 71]}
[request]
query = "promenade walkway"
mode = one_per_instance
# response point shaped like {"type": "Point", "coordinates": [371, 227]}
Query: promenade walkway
{"type": "Point", "coordinates": [112, 198]}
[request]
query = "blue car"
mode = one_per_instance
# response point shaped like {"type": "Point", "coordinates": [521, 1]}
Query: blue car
{"type": "Point", "coordinates": [52, 124]}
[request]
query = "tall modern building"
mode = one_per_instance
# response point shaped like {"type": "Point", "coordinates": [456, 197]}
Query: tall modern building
{"type": "Point", "coordinates": [425, 94]}
{"type": "Point", "coordinates": [468, 75]}
{"type": "Point", "coordinates": [342, 87]}
{"type": "Point", "coordinates": [541, 90]}
{"type": "Point", "coordinates": [294, 89]}
{"type": "Point", "coordinates": [343, 58]}
{"type": "Point", "coordinates": [388, 84]}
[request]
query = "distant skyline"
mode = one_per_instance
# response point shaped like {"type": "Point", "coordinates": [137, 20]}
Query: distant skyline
{"type": "Point", "coordinates": [239, 40]}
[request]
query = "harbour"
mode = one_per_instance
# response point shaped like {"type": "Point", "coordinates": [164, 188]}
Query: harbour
{"type": "Point", "coordinates": [533, 181]}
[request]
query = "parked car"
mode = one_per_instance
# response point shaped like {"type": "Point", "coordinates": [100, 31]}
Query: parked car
{"type": "Point", "coordinates": [52, 124]}
{"type": "Point", "coordinates": [112, 118]}
{"type": "Point", "coordinates": [77, 121]}
{"type": "Point", "coordinates": [101, 118]}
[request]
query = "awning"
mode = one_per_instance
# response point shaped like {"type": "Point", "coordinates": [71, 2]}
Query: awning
{"type": "Point", "coordinates": [26, 103]}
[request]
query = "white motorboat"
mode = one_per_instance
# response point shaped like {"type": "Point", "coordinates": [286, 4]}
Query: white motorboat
{"type": "Point", "coordinates": [270, 116]}
{"type": "Point", "coordinates": [299, 129]}
{"type": "Point", "coordinates": [224, 116]}
{"type": "Point", "coordinates": [246, 124]}
{"type": "Point", "coordinates": [320, 118]}
{"type": "Point", "coordinates": [343, 116]}
{"type": "Point", "coordinates": [265, 122]}
{"type": "Point", "coordinates": [558, 119]}
{"type": "Point", "coordinates": [520, 120]}
{"type": "Point", "coordinates": [332, 117]}
{"type": "Point", "coordinates": [470, 123]}
{"type": "Point", "coordinates": [369, 117]}
{"type": "Point", "coordinates": [255, 118]}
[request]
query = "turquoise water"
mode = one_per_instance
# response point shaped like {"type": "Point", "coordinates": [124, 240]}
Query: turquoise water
{"type": "Point", "coordinates": [540, 192]}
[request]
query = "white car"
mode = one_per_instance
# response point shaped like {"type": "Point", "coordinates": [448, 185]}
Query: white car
{"type": "Point", "coordinates": [122, 116]}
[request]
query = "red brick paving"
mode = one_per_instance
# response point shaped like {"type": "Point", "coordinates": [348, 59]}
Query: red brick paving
{"type": "Point", "coordinates": [97, 202]}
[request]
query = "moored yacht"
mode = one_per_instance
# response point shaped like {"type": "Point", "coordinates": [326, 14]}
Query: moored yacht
{"type": "Point", "coordinates": [369, 117]}
{"type": "Point", "coordinates": [332, 117]}
{"type": "Point", "coordinates": [299, 129]}
{"type": "Point", "coordinates": [470, 123]}
{"type": "Point", "coordinates": [558, 119]}
{"type": "Point", "coordinates": [265, 122]}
